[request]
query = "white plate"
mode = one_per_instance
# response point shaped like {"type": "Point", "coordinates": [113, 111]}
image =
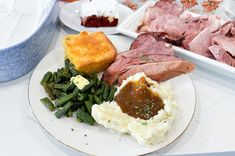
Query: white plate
{"type": "Point", "coordinates": [99, 140]}
{"type": "Point", "coordinates": [129, 26]}
{"type": "Point", "coordinates": [69, 15]}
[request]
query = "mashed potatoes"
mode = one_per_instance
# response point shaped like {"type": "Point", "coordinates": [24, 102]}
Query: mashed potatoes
{"type": "Point", "coordinates": [146, 132]}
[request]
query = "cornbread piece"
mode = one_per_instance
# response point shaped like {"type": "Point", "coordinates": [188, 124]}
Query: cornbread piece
{"type": "Point", "coordinates": [99, 13]}
{"type": "Point", "coordinates": [89, 52]}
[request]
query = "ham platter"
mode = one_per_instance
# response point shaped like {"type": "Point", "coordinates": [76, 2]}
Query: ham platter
{"type": "Point", "coordinates": [206, 40]}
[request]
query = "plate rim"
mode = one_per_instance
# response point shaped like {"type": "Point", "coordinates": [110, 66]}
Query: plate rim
{"type": "Point", "coordinates": [54, 137]}
{"type": "Point", "coordinates": [112, 32]}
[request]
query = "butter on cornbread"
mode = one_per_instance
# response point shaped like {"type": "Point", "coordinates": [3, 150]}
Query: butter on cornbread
{"type": "Point", "coordinates": [90, 52]}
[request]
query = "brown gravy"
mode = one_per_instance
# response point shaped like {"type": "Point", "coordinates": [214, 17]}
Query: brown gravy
{"type": "Point", "coordinates": [138, 101]}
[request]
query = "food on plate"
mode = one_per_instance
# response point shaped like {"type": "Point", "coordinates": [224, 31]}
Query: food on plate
{"type": "Point", "coordinates": [72, 93]}
{"type": "Point", "coordinates": [141, 107]}
{"type": "Point", "coordinates": [148, 55]}
{"type": "Point", "coordinates": [89, 52]}
{"type": "Point", "coordinates": [99, 13]}
{"type": "Point", "coordinates": [203, 35]}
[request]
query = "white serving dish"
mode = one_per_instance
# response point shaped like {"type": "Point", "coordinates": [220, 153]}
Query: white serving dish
{"type": "Point", "coordinates": [129, 27]}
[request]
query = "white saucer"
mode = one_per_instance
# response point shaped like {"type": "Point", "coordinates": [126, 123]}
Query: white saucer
{"type": "Point", "coordinates": [69, 15]}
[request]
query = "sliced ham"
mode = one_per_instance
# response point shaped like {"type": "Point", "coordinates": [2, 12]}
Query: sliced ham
{"type": "Point", "coordinates": [214, 23]}
{"type": "Point", "coordinates": [146, 51]}
{"type": "Point", "coordinates": [112, 74]}
{"type": "Point", "coordinates": [141, 39]}
{"type": "Point", "coordinates": [221, 55]}
{"type": "Point", "coordinates": [160, 8]}
{"type": "Point", "coordinates": [169, 24]}
{"type": "Point", "coordinates": [227, 29]}
{"type": "Point", "coordinates": [143, 51]}
{"type": "Point", "coordinates": [201, 43]}
{"type": "Point", "coordinates": [195, 26]}
{"type": "Point", "coordinates": [201, 39]}
{"type": "Point", "coordinates": [227, 43]}
{"type": "Point", "coordinates": [169, 7]}
{"type": "Point", "coordinates": [188, 38]}
{"type": "Point", "coordinates": [160, 71]}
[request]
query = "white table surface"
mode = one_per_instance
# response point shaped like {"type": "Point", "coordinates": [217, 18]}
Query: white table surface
{"type": "Point", "coordinates": [211, 130]}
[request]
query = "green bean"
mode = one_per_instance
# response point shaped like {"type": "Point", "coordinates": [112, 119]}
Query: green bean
{"type": "Point", "coordinates": [49, 92]}
{"type": "Point", "coordinates": [87, 87]}
{"type": "Point", "coordinates": [85, 117]}
{"type": "Point", "coordinates": [111, 93]}
{"type": "Point", "coordinates": [51, 79]}
{"type": "Point", "coordinates": [54, 76]}
{"type": "Point", "coordinates": [46, 78]}
{"type": "Point", "coordinates": [51, 85]}
{"type": "Point", "coordinates": [66, 63]}
{"type": "Point", "coordinates": [58, 79]}
{"type": "Point", "coordinates": [95, 78]}
{"type": "Point", "coordinates": [97, 100]}
{"type": "Point", "coordinates": [106, 91]}
{"type": "Point", "coordinates": [64, 75]}
{"type": "Point", "coordinates": [69, 114]}
{"type": "Point", "coordinates": [63, 87]}
{"type": "Point", "coordinates": [76, 105]}
{"type": "Point", "coordinates": [83, 108]}
{"type": "Point", "coordinates": [71, 87]}
{"type": "Point", "coordinates": [75, 92]}
{"type": "Point", "coordinates": [82, 96]}
{"type": "Point", "coordinates": [90, 97]}
{"type": "Point", "coordinates": [93, 90]}
{"type": "Point", "coordinates": [47, 102]}
{"type": "Point", "coordinates": [79, 120]}
{"type": "Point", "coordinates": [98, 91]}
{"type": "Point", "coordinates": [58, 93]}
{"type": "Point", "coordinates": [73, 71]}
{"type": "Point", "coordinates": [64, 110]}
{"type": "Point", "coordinates": [88, 105]}
{"type": "Point", "coordinates": [63, 100]}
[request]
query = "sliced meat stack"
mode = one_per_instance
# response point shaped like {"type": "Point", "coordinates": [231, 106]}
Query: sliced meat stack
{"type": "Point", "coordinates": [167, 19]}
{"type": "Point", "coordinates": [223, 44]}
{"type": "Point", "coordinates": [148, 55]}
{"type": "Point", "coordinates": [203, 34]}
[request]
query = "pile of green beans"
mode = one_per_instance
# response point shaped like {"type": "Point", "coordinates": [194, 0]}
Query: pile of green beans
{"type": "Point", "coordinates": [68, 100]}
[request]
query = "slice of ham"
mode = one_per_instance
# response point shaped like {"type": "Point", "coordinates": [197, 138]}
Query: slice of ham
{"type": "Point", "coordinates": [201, 43]}
{"type": "Point", "coordinates": [149, 50]}
{"type": "Point", "coordinates": [196, 25]}
{"type": "Point", "coordinates": [227, 43]}
{"type": "Point", "coordinates": [227, 29]}
{"type": "Point", "coordinates": [112, 74]}
{"type": "Point", "coordinates": [221, 55]}
{"type": "Point", "coordinates": [141, 39]}
{"type": "Point", "coordinates": [213, 23]}
{"type": "Point", "coordinates": [169, 7]}
{"type": "Point", "coordinates": [145, 50]}
{"type": "Point", "coordinates": [201, 39]}
{"type": "Point", "coordinates": [160, 71]}
{"type": "Point", "coordinates": [169, 24]}
{"type": "Point", "coordinates": [160, 8]}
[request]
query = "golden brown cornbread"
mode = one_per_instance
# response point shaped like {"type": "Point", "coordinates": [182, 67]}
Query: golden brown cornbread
{"type": "Point", "coordinates": [89, 52]}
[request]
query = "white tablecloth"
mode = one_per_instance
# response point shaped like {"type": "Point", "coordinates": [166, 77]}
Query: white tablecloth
{"type": "Point", "coordinates": [211, 130]}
